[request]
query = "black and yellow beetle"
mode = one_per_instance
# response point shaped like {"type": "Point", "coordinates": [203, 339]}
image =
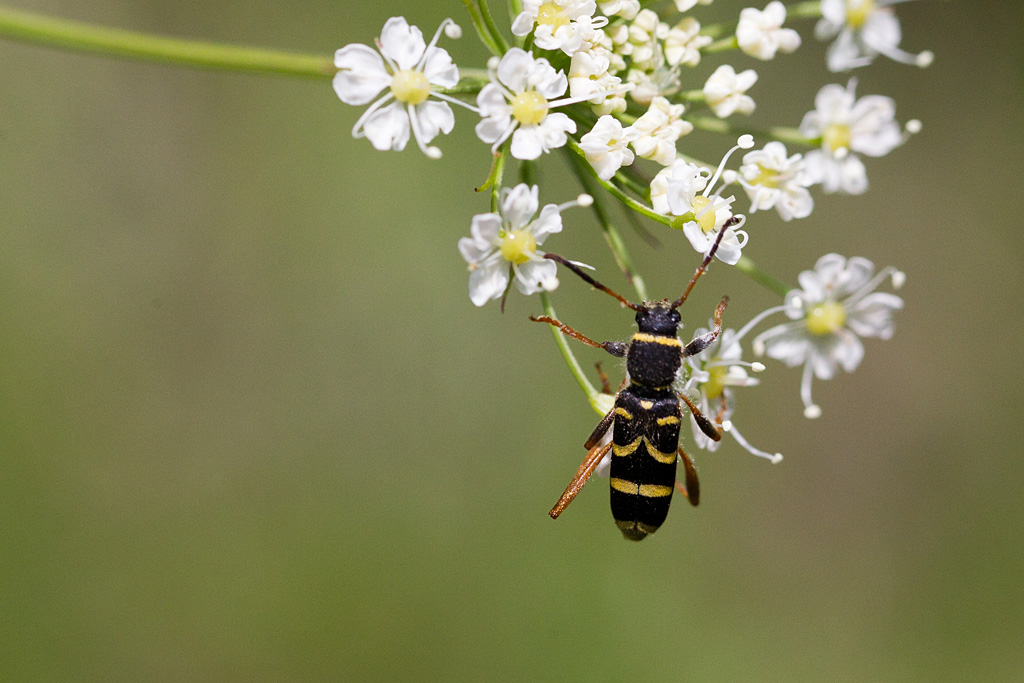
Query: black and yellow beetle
{"type": "Point", "coordinates": [647, 414]}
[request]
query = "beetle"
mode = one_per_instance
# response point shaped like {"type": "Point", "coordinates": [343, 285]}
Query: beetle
{"type": "Point", "coordinates": [647, 414]}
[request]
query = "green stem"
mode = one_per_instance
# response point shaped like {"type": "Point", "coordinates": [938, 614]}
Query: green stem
{"type": "Point", "coordinates": [570, 359]}
{"type": "Point", "coordinates": [804, 10]}
{"type": "Point", "coordinates": [780, 133]}
{"type": "Point", "coordinates": [481, 29]}
{"type": "Point", "coordinates": [485, 12]}
{"type": "Point", "coordinates": [74, 35]}
{"type": "Point", "coordinates": [620, 195]}
{"type": "Point", "coordinates": [611, 233]}
{"type": "Point", "coordinates": [745, 265]}
{"type": "Point", "coordinates": [722, 45]}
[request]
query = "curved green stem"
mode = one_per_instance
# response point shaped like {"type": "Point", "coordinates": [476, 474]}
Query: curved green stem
{"type": "Point", "coordinates": [745, 265]}
{"type": "Point", "coordinates": [74, 35]}
{"type": "Point", "coordinates": [593, 395]}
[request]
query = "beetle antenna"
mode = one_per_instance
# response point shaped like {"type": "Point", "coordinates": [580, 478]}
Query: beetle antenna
{"type": "Point", "coordinates": [594, 283]}
{"type": "Point", "coordinates": [735, 220]}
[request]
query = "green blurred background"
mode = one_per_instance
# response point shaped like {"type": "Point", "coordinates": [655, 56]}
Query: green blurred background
{"type": "Point", "coordinates": [253, 429]}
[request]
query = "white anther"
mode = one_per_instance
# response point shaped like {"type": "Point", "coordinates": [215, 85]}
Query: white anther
{"type": "Point", "coordinates": [729, 177]}
{"type": "Point", "coordinates": [898, 278]}
{"type": "Point", "coordinates": [584, 200]}
{"type": "Point", "coordinates": [727, 426]}
{"type": "Point", "coordinates": [432, 152]}
{"type": "Point", "coordinates": [777, 458]}
{"type": "Point", "coordinates": [745, 141]}
{"type": "Point", "coordinates": [812, 412]}
{"type": "Point", "coordinates": [925, 59]}
{"type": "Point", "coordinates": [492, 63]}
{"type": "Point", "coordinates": [757, 367]}
{"type": "Point", "coordinates": [913, 126]}
{"type": "Point", "coordinates": [453, 31]}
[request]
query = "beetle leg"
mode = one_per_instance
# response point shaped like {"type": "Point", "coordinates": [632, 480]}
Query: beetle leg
{"type": "Point", "coordinates": [692, 489]}
{"type": "Point", "coordinates": [582, 475]}
{"type": "Point", "coordinates": [706, 425]}
{"type": "Point", "coordinates": [702, 342]}
{"type": "Point", "coordinates": [615, 348]}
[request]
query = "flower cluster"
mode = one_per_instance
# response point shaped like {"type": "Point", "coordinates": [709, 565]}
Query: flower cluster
{"type": "Point", "coordinates": [610, 85]}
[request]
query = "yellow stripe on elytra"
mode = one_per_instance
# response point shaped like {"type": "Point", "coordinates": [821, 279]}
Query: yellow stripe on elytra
{"type": "Point", "coordinates": [662, 339]}
{"type": "Point", "coordinates": [655, 491]}
{"type": "Point", "coordinates": [630, 448]}
{"type": "Point", "coordinates": [670, 420]}
{"type": "Point", "coordinates": [645, 490]}
{"type": "Point", "coordinates": [624, 413]}
{"type": "Point", "coordinates": [625, 486]}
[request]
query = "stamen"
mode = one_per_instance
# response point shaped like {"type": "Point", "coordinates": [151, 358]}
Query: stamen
{"type": "Point", "coordinates": [437, 36]}
{"type": "Point", "coordinates": [431, 151]}
{"type": "Point", "coordinates": [744, 142]}
{"type": "Point", "coordinates": [357, 130]}
{"type": "Point", "coordinates": [811, 411]}
{"type": "Point", "coordinates": [584, 200]}
{"type": "Point", "coordinates": [775, 458]}
{"type": "Point", "coordinates": [898, 278]}
{"type": "Point", "coordinates": [504, 136]}
{"type": "Point", "coordinates": [592, 96]}
{"type": "Point", "coordinates": [454, 100]}
{"type": "Point", "coordinates": [758, 342]}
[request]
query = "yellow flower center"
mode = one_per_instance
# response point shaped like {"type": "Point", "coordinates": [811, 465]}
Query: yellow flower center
{"type": "Point", "coordinates": [715, 385]}
{"type": "Point", "coordinates": [837, 136]}
{"type": "Point", "coordinates": [857, 13]}
{"type": "Point", "coordinates": [518, 246]}
{"type": "Point", "coordinates": [766, 178]}
{"type": "Point", "coordinates": [826, 318]}
{"type": "Point", "coordinates": [707, 220]}
{"type": "Point", "coordinates": [410, 86]}
{"type": "Point", "coordinates": [552, 15]}
{"type": "Point", "coordinates": [529, 107]}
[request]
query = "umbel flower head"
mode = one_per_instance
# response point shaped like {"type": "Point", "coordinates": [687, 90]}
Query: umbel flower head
{"type": "Point", "coordinates": [772, 179]}
{"type": "Point", "coordinates": [505, 243]}
{"type": "Point", "coordinates": [835, 306]}
{"type": "Point", "coordinates": [412, 71]}
{"type": "Point", "coordinates": [560, 24]}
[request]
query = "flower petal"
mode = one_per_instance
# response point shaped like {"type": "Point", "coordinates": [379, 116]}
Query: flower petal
{"type": "Point", "coordinates": [434, 118]}
{"type": "Point", "coordinates": [388, 128]}
{"type": "Point", "coordinates": [488, 282]}
{"type": "Point", "coordinates": [361, 74]}
{"type": "Point", "coordinates": [401, 43]}
{"type": "Point", "coordinates": [439, 69]}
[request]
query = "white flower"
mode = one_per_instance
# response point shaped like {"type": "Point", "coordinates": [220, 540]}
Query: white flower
{"type": "Point", "coordinates": [590, 78]}
{"type": "Point", "coordinates": [507, 243]}
{"type": "Point", "coordinates": [835, 306]}
{"type": "Point", "coordinates": [847, 127]}
{"type": "Point", "coordinates": [655, 133]}
{"type": "Point", "coordinates": [684, 189]}
{"type": "Point", "coordinates": [413, 71]}
{"type": "Point", "coordinates": [725, 92]}
{"type": "Point", "coordinates": [606, 147]}
{"type": "Point", "coordinates": [627, 9]}
{"type": "Point", "coordinates": [560, 24]}
{"type": "Point", "coordinates": [638, 40]}
{"type": "Point", "coordinates": [714, 373]}
{"type": "Point", "coordinates": [863, 30]}
{"type": "Point", "coordinates": [773, 179]}
{"type": "Point", "coordinates": [760, 33]}
{"type": "Point", "coordinates": [684, 42]}
{"type": "Point", "coordinates": [518, 99]}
